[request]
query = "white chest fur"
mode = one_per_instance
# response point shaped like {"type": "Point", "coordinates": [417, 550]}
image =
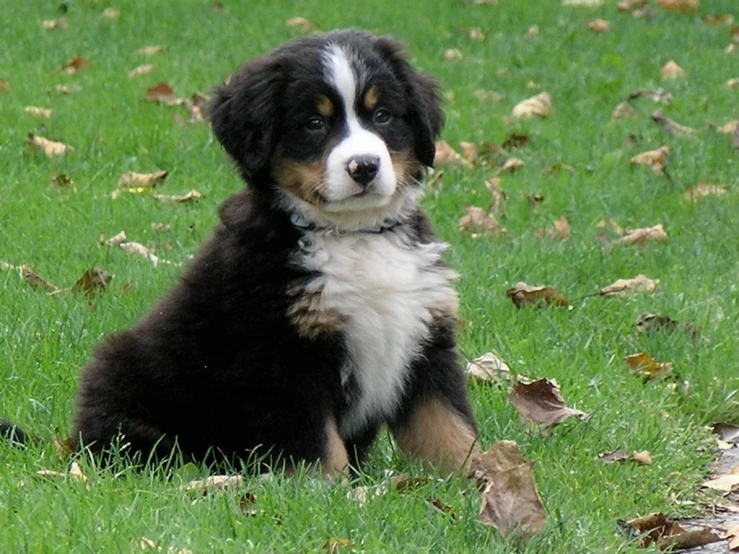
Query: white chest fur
{"type": "Point", "coordinates": [385, 290]}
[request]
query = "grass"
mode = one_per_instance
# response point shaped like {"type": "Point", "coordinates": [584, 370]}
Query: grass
{"type": "Point", "coordinates": [576, 158]}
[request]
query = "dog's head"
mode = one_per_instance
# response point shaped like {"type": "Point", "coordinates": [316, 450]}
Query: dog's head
{"type": "Point", "coordinates": [337, 125]}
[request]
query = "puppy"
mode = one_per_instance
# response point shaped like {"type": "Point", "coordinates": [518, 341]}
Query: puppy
{"type": "Point", "coordinates": [321, 309]}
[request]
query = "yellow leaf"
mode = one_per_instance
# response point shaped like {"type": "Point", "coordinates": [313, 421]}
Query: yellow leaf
{"type": "Point", "coordinates": [525, 295]}
{"type": "Point", "coordinates": [644, 365]}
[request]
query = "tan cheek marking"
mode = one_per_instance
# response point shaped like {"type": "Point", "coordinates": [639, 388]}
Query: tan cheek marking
{"type": "Point", "coordinates": [371, 98]}
{"type": "Point", "coordinates": [325, 107]}
{"type": "Point", "coordinates": [306, 180]}
{"type": "Point", "coordinates": [336, 459]}
{"type": "Point", "coordinates": [436, 434]}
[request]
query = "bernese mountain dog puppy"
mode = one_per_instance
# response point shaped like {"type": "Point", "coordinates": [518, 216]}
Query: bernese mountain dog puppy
{"type": "Point", "coordinates": [321, 309]}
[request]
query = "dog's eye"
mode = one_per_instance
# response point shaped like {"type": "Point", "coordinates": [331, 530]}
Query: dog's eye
{"type": "Point", "coordinates": [315, 124]}
{"type": "Point", "coordinates": [382, 117]}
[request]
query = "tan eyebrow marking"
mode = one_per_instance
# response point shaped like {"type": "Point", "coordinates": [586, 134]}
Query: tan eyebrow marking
{"type": "Point", "coordinates": [325, 106]}
{"type": "Point", "coordinates": [371, 98]}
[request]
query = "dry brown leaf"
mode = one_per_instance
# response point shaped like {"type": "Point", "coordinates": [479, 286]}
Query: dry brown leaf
{"type": "Point", "coordinates": [141, 70]}
{"type": "Point", "coordinates": [623, 111]}
{"type": "Point", "coordinates": [51, 24]}
{"type": "Point", "coordinates": [179, 198]}
{"type": "Point", "coordinates": [515, 140]}
{"type": "Point", "coordinates": [453, 54]}
{"type": "Point", "coordinates": [445, 154]}
{"type": "Point", "coordinates": [598, 25]}
{"type": "Point", "coordinates": [62, 180]}
{"type": "Point", "coordinates": [644, 365]}
{"type": "Point", "coordinates": [501, 456]}
{"type": "Point", "coordinates": [75, 65]}
{"type": "Point", "coordinates": [195, 106]}
{"type": "Point", "coordinates": [727, 432]}
{"type": "Point", "coordinates": [215, 482]}
{"type": "Point", "coordinates": [539, 105]}
{"type": "Point", "coordinates": [733, 83]}
{"type": "Point", "coordinates": [684, 6]}
{"type": "Point", "coordinates": [151, 50]}
{"type": "Point", "coordinates": [488, 368]}
{"type": "Point", "coordinates": [301, 23]}
{"type": "Point", "coordinates": [613, 457]}
{"type": "Point", "coordinates": [64, 447]}
{"type": "Point", "coordinates": [111, 13]}
{"type": "Point", "coordinates": [666, 534]}
{"type": "Point", "coordinates": [445, 509]}
{"type": "Point", "coordinates": [724, 483]}
{"type": "Point", "coordinates": [140, 250]}
{"type": "Point", "coordinates": [49, 147]}
{"type": "Point", "coordinates": [610, 224]}
{"type": "Point", "coordinates": [469, 150]}
{"type": "Point", "coordinates": [132, 179]}
{"type": "Point", "coordinates": [37, 111]}
{"type": "Point", "coordinates": [650, 322]}
{"type": "Point", "coordinates": [644, 235]}
{"type": "Point", "coordinates": [93, 281]}
{"type": "Point", "coordinates": [656, 159]}
{"type": "Point", "coordinates": [631, 5]}
{"type": "Point", "coordinates": [541, 402]}
{"type": "Point", "coordinates": [511, 503]}
{"type": "Point", "coordinates": [162, 93]}
{"type": "Point", "coordinates": [622, 287]}
{"type": "Point", "coordinates": [642, 457]}
{"type": "Point", "coordinates": [32, 278]}
{"type": "Point", "coordinates": [511, 165]}
{"type": "Point", "coordinates": [670, 126]}
{"type": "Point", "coordinates": [705, 189]}
{"type": "Point", "coordinates": [732, 535]}
{"type": "Point", "coordinates": [671, 71]}
{"type": "Point", "coordinates": [334, 545]}
{"type": "Point", "coordinates": [559, 231]}
{"type": "Point", "coordinates": [525, 295]}
{"type": "Point", "coordinates": [497, 196]}
{"type": "Point", "coordinates": [476, 34]}
{"type": "Point", "coordinates": [477, 220]}
{"type": "Point", "coordinates": [116, 240]}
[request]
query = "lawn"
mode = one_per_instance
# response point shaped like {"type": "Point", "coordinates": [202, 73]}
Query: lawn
{"type": "Point", "coordinates": [577, 159]}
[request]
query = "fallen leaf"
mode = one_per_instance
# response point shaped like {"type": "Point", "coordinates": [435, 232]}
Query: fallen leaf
{"type": "Point", "coordinates": [598, 25]}
{"type": "Point", "coordinates": [684, 6]}
{"type": "Point", "coordinates": [488, 368]}
{"type": "Point", "coordinates": [453, 54]}
{"type": "Point", "coordinates": [469, 150]}
{"type": "Point", "coordinates": [34, 279]}
{"type": "Point", "coordinates": [541, 402]}
{"type": "Point", "coordinates": [302, 23]}
{"type": "Point", "coordinates": [476, 34]}
{"type": "Point", "coordinates": [74, 473]}
{"type": "Point", "coordinates": [532, 31]}
{"type": "Point", "coordinates": [732, 535]}
{"type": "Point", "coordinates": [560, 230]}
{"type": "Point", "coordinates": [151, 50]}
{"type": "Point", "coordinates": [40, 112]}
{"type": "Point", "coordinates": [724, 483]}
{"type": "Point", "coordinates": [93, 281]}
{"type": "Point", "coordinates": [511, 165]}
{"type": "Point", "coordinates": [623, 111]}
{"type": "Point", "coordinates": [445, 509]}
{"type": "Point", "coordinates": [116, 240]}
{"type": "Point", "coordinates": [111, 13]}
{"type": "Point", "coordinates": [511, 503]}
{"type": "Point", "coordinates": [587, 3]}
{"type": "Point", "coordinates": [656, 159]}
{"type": "Point", "coordinates": [161, 227]}
{"type": "Point", "coordinates": [179, 198]}
{"type": "Point", "coordinates": [195, 106]}
{"type": "Point", "coordinates": [162, 93]}
{"type": "Point", "coordinates": [613, 457]}
{"type": "Point", "coordinates": [727, 432]}
{"type": "Point", "coordinates": [478, 220]}
{"type": "Point", "coordinates": [539, 105]}
{"type": "Point", "coordinates": [215, 482]}
{"type": "Point", "coordinates": [704, 189]}
{"type": "Point", "coordinates": [497, 196]}
{"type": "Point", "coordinates": [334, 545]}
{"type": "Point", "coordinates": [487, 95]}
{"type": "Point", "coordinates": [525, 295]}
{"type": "Point", "coordinates": [622, 287]}
{"type": "Point", "coordinates": [650, 322]}
{"type": "Point", "coordinates": [515, 141]}
{"type": "Point", "coordinates": [501, 456]}
{"type": "Point", "coordinates": [670, 126]}
{"type": "Point", "coordinates": [4, 85]}
{"type": "Point", "coordinates": [534, 199]}
{"type": "Point", "coordinates": [671, 71]}
{"type": "Point", "coordinates": [733, 83]}
{"type": "Point", "coordinates": [141, 70]}
{"type": "Point", "coordinates": [660, 95]}
{"type": "Point", "coordinates": [719, 19]}
{"type": "Point", "coordinates": [62, 180]}
{"type": "Point", "coordinates": [66, 89]}
{"type": "Point", "coordinates": [140, 250]}
{"type": "Point", "coordinates": [445, 154]}
{"type": "Point", "coordinates": [644, 365]}
{"type": "Point", "coordinates": [610, 224]}
{"type": "Point", "coordinates": [631, 5]}
{"type": "Point", "coordinates": [49, 147]}
{"type": "Point", "coordinates": [75, 65]}
{"type": "Point", "coordinates": [51, 24]}
{"type": "Point", "coordinates": [642, 458]}
{"type": "Point", "coordinates": [62, 446]}
{"type": "Point", "coordinates": [134, 179]}
{"type": "Point", "coordinates": [643, 235]}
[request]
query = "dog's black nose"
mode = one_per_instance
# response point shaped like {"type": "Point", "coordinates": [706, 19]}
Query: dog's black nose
{"type": "Point", "coordinates": [363, 169]}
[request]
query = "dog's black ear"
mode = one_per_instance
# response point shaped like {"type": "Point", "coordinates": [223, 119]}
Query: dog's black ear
{"type": "Point", "coordinates": [244, 113]}
{"type": "Point", "coordinates": [424, 105]}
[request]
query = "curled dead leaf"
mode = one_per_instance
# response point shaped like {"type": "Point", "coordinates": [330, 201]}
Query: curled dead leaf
{"type": "Point", "coordinates": [671, 71]}
{"type": "Point", "coordinates": [623, 111]}
{"type": "Point", "coordinates": [92, 282]}
{"type": "Point", "coordinates": [75, 65]}
{"type": "Point", "coordinates": [487, 95]}
{"type": "Point", "coordinates": [190, 196]}
{"type": "Point", "coordinates": [140, 250]}
{"type": "Point", "coordinates": [37, 111]}
{"type": "Point", "coordinates": [598, 25]}
{"type": "Point", "coordinates": [151, 50]}
{"type": "Point", "coordinates": [539, 105]}
{"type": "Point", "coordinates": [560, 230]}
{"type": "Point", "coordinates": [725, 483]}
{"type": "Point", "coordinates": [523, 294]}
{"type": "Point", "coordinates": [62, 180]}
{"type": "Point", "coordinates": [610, 224]}
{"type": "Point", "coordinates": [643, 365]}
{"type": "Point", "coordinates": [705, 189]}
{"type": "Point", "coordinates": [66, 89]}
{"type": "Point", "coordinates": [631, 5]}
{"type": "Point", "coordinates": [541, 402]}
{"type": "Point", "coordinates": [141, 70]}
{"type": "Point", "coordinates": [650, 322]}
{"type": "Point", "coordinates": [660, 95]}
{"type": "Point", "coordinates": [511, 503]}
{"type": "Point", "coordinates": [50, 148]}
{"type": "Point", "coordinates": [719, 19]}
{"type": "Point", "coordinates": [642, 457]}
{"type": "Point", "coordinates": [488, 368]}
{"type": "Point", "coordinates": [469, 150]}
{"type": "Point", "coordinates": [453, 54]}
{"type": "Point", "coordinates": [162, 93]}
{"type": "Point", "coordinates": [670, 126]}
{"type": "Point", "coordinates": [644, 235]}
{"type": "Point", "coordinates": [613, 457]}
{"type": "Point", "coordinates": [133, 179]}
{"type": "Point", "coordinates": [477, 220]}
{"type": "Point", "coordinates": [622, 287]}
{"type": "Point", "coordinates": [684, 6]}
{"type": "Point", "coordinates": [74, 473]}
{"type": "Point", "coordinates": [116, 240]}
{"type": "Point", "coordinates": [666, 534]}
{"type": "Point", "coordinates": [656, 159]}
{"type": "Point", "coordinates": [511, 165]}
{"type": "Point", "coordinates": [501, 456]}
{"type": "Point", "coordinates": [445, 154]}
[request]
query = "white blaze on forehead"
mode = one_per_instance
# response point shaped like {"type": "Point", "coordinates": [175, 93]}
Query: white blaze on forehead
{"type": "Point", "coordinates": [342, 193]}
